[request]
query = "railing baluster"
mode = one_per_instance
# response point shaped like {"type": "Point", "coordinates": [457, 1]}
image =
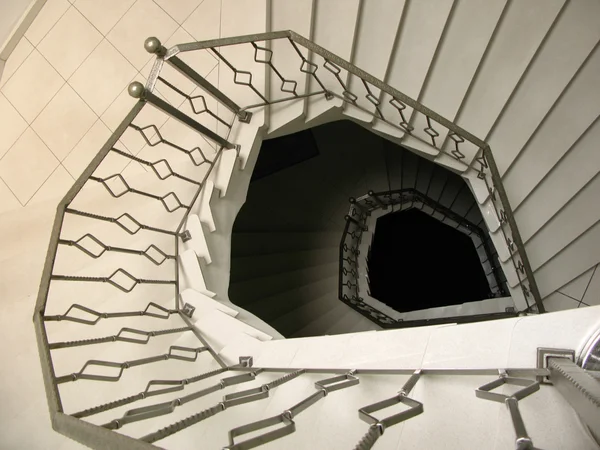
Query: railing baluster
{"type": "Point", "coordinates": [137, 90]}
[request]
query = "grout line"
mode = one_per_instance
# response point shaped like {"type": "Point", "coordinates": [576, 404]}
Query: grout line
{"type": "Point", "coordinates": [19, 66]}
{"type": "Point", "coordinates": [47, 178]}
{"type": "Point", "coordinates": [105, 36]}
{"type": "Point", "coordinates": [23, 132]}
{"type": "Point", "coordinates": [173, 18]}
{"type": "Point", "coordinates": [51, 28]}
{"type": "Point", "coordinates": [11, 191]}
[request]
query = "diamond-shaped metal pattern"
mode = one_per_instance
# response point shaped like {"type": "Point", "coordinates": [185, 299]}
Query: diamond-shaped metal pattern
{"type": "Point", "coordinates": [91, 370]}
{"type": "Point", "coordinates": [155, 254]}
{"type": "Point", "coordinates": [197, 156]}
{"type": "Point", "coordinates": [350, 96]}
{"type": "Point", "coordinates": [185, 353]}
{"type": "Point", "coordinates": [151, 135]}
{"type": "Point", "coordinates": [116, 185]}
{"type": "Point", "coordinates": [90, 246]}
{"type": "Point", "coordinates": [289, 86]}
{"type": "Point", "coordinates": [431, 131]}
{"type": "Point", "coordinates": [374, 100]}
{"type": "Point", "coordinates": [529, 387]}
{"type": "Point", "coordinates": [520, 267]}
{"type": "Point", "coordinates": [457, 141]}
{"type": "Point", "coordinates": [242, 77]}
{"type": "Point", "coordinates": [308, 67]}
{"type": "Point", "coordinates": [262, 55]}
{"type": "Point", "coordinates": [198, 104]}
{"type": "Point", "coordinates": [331, 67]}
{"type": "Point", "coordinates": [122, 280]}
{"type": "Point", "coordinates": [162, 169]}
{"type": "Point", "coordinates": [171, 202]}
{"type": "Point", "coordinates": [74, 314]}
{"type": "Point", "coordinates": [128, 223]}
{"type": "Point", "coordinates": [400, 107]}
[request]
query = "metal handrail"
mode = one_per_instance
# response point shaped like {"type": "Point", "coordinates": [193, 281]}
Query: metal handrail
{"type": "Point", "coordinates": [482, 161]}
{"type": "Point", "coordinates": [308, 54]}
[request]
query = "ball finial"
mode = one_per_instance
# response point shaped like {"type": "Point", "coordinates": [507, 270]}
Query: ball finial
{"type": "Point", "coordinates": [136, 89]}
{"type": "Point", "coordinates": [152, 45]}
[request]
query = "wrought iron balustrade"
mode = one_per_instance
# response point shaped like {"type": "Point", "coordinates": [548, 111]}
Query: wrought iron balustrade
{"type": "Point", "coordinates": [133, 236]}
{"type": "Point", "coordinates": [357, 219]}
{"type": "Point", "coordinates": [318, 72]}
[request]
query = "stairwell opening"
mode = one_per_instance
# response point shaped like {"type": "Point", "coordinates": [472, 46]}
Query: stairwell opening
{"type": "Point", "coordinates": [418, 262]}
{"type": "Point", "coordinates": [286, 261]}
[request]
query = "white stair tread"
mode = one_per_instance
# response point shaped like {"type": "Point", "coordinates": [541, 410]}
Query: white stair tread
{"type": "Point", "coordinates": [573, 260]}
{"type": "Point", "coordinates": [573, 172]}
{"type": "Point", "coordinates": [576, 109]}
{"type": "Point", "coordinates": [298, 17]}
{"type": "Point", "coordinates": [218, 328]}
{"type": "Point", "coordinates": [457, 58]}
{"type": "Point", "coordinates": [577, 287]}
{"type": "Point", "coordinates": [334, 29]}
{"type": "Point", "coordinates": [562, 54]}
{"type": "Point", "coordinates": [378, 27]}
{"type": "Point", "coordinates": [563, 228]}
{"type": "Point", "coordinates": [238, 19]}
{"type": "Point", "coordinates": [191, 273]}
{"type": "Point", "coordinates": [205, 305]}
{"type": "Point", "coordinates": [422, 28]}
{"type": "Point", "coordinates": [198, 240]}
{"type": "Point", "coordinates": [488, 306]}
{"type": "Point", "coordinates": [224, 169]}
{"type": "Point", "coordinates": [526, 23]}
{"type": "Point", "coordinates": [202, 205]}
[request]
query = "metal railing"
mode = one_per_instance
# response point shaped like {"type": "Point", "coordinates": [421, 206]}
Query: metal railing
{"type": "Point", "coordinates": [134, 235]}
{"type": "Point", "coordinates": [357, 219]}
{"type": "Point", "coordinates": [331, 82]}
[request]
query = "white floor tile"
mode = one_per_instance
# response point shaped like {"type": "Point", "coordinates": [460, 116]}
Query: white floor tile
{"type": "Point", "coordinates": [592, 294]}
{"type": "Point", "coordinates": [8, 201]}
{"type": "Point", "coordinates": [55, 187]}
{"type": "Point", "coordinates": [178, 9]}
{"type": "Point", "coordinates": [205, 22]}
{"type": "Point", "coordinates": [16, 58]}
{"type": "Point", "coordinates": [103, 14]}
{"type": "Point", "coordinates": [64, 122]}
{"type": "Point", "coordinates": [143, 20]}
{"type": "Point", "coordinates": [576, 288]}
{"type": "Point", "coordinates": [12, 125]}
{"type": "Point", "coordinates": [70, 42]}
{"type": "Point", "coordinates": [27, 165]}
{"type": "Point", "coordinates": [559, 302]}
{"type": "Point", "coordinates": [32, 86]}
{"type": "Point", "coordinates": [119, 108]}
{"type": "Point", "coordinates": [88, 148]}
{"type": "Point", "coordinates": [102, 76]}
{"type": "Point", "coordinates": [45, 20]}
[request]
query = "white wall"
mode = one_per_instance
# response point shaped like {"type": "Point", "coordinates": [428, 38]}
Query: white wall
{"type": "Point", "coordinates": [11, 12]}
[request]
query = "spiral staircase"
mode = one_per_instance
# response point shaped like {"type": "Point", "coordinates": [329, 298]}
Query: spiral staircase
{"type": "Point", "coordinates": [140, 335]}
